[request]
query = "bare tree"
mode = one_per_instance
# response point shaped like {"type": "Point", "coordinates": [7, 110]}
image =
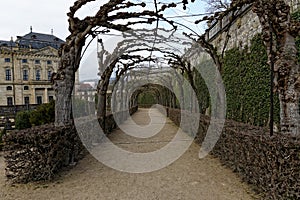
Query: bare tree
{"type": "Point", "coordinates": [274, 16]}
{"type": "Point", "coordinates": [217, 5]}
{"type": "Point", "coordinates": [277, 28]}
{"type": "Point", "coordinates": [111, 16]}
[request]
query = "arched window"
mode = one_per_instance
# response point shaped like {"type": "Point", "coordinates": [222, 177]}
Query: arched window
{"type": "Point", "coordinates": [26, 87]}
{"type": "Point", "coordinates": [9, 88]}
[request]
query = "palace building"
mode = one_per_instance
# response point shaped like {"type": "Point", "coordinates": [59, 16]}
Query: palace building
{"type": "Point", "coordinates": [26, 66]}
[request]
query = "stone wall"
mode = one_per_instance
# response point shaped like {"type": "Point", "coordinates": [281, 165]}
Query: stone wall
{"type": "Point", "coordinates": [242, 30]}
{"type": "Point", "coordinates": [270, 164]}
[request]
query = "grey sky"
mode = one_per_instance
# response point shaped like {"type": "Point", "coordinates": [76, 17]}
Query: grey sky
{"type": "Point", "coordinates": [16, 17]}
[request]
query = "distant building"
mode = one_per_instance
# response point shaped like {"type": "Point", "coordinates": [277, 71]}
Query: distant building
{"type": "Point", "coordinates": [26, 66]}
{"type": "Point", "coordinates": [86, 92]}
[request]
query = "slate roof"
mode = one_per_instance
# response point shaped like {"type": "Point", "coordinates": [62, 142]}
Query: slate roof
{"type": "Point", "coordinates": [38, 41]}
{"type": "Point", "coordinates": [7, 43]}
{"type": "Point", "coordinates": [85, 87]}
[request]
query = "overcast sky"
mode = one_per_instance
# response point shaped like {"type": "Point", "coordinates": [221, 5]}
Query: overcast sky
{"type": "Point", "coordinates": [17, 16]}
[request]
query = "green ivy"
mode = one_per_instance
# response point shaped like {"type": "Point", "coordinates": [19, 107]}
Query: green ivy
{"type": "Point", "coordinates": [205, 68]}
{"type": "Point", "coordinates": [296, 16]}
{"type": "Point", "coordinates": [247, 81]}
{"type": "Point", "coordinates": [246, 77]}
{"type": "Point", "coordinates": [146, 98]}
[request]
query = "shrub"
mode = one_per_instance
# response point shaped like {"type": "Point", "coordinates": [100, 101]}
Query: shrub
{"type": "Point", "coordinates": [2, 132]}
{"type": "Point", "coordinates": [44, 114]}
{"type": "Point", "coordinates": [22, 120]}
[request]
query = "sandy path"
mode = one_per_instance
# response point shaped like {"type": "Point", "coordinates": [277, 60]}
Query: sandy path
{"type": "Point", "coordinates": [187, 178]}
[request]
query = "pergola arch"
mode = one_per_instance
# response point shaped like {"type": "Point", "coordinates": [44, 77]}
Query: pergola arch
{"type": "Point", "coordinates": [109, 17]}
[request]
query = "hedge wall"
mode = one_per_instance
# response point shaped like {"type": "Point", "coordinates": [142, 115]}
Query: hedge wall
{"type": "Point", "coordinates": [38, 153]}
{"type": "Point", "coordinates": [270, 164]}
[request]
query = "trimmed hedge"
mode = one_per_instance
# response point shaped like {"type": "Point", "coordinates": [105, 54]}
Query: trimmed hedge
{"type": "Point", "coordinates": [2, 133]}
{"type": "Point", "coordinates": [23, 120]}
{"type": "Point", "coordinates": [270, 164]}
{"type": "Point", "coordinates": [38, 153]}
{"type": "Point", "coordinates": [43, 114]}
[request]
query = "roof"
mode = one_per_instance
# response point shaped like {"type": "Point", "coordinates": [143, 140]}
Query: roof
{"type": "Point", "coordinates": [7, 43]}
{"type": "Point", "coordinates": [39, 40]}
{"type": "Point", "coordinates": [85, 87]}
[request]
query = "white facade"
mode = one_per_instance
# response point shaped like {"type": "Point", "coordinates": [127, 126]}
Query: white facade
{"type": "Point", "coordinates": [25, 73]}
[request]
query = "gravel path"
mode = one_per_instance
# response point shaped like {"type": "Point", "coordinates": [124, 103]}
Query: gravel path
{"type": "Point", "coordinates": [188, 178]}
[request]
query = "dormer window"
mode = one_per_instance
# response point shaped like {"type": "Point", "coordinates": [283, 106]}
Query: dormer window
{"type": "Point", "coordinates": [33, 37]}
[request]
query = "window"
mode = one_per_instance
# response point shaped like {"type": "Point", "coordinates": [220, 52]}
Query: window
{"type": "Point", "coordinates": [51, 98]}
{"type": "Point", "coordinates": [8, 88]}
{"type": "Point", "coordinates": [9, 101]}
{"type": "Point", "coordinates": [25, 75]}
{"type": "Point", "coordinates": [38, 75]}
{"type": "Point", "coordinates": [7, 74]}
{"type": "Point", "coordinates": [26, 100]}
{"type": "Point", "coordinates": [39, 100]}
{"type": "Point", "coordinates": [37, 62]}
{"type": "Point", "coordinates": [24, 60]}
{"type": "Point", "coordinates": [49, 62]}
{"type": "Point", "coordinates": [26, 87]}
{"type": "Point", "coordinates": [49, 75]}
{"type": "Point", "coordinates": [6, 59]}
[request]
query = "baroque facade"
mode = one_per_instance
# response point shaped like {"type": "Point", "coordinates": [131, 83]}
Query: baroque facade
{"type": "Point", "coordinates": [26, 66]}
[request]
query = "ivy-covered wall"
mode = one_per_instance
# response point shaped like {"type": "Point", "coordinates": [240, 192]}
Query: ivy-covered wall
{"type": "Point", "coordinates": [246, 77]}
{"type": "Point", "coordinates": [296, 16]}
